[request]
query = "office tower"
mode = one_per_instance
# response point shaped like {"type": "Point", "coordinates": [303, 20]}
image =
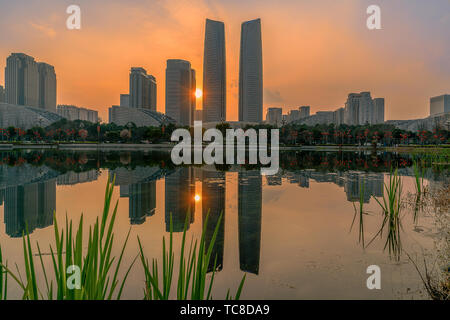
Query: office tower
{"type": "Point", "coordinates": [124, 100]}
{"type": "Point", "coordinates": [378, 114]}
{"type": "Point", "coordinates": [180, 93]}
{"type": "Point", "coordinates": [249, 217]}
{"type": "Point", "coordinates": [47, 87]}
{"type": "Point", "coordinates": [193, 96]}
{"type": "Point", "coordinates": [214, 72]}
{"type": "Point", "coordinates": [352, 109]}
{"type": "Point", "coordinates": [274, 116]}
{"type": "Point", "coordinates": [179, 198]}
{"type": "Point", "coordinates": [251, 73]}
{"type": "Point", "coordinates": [365, 108]}
{"type": "Point", "coordinates": [293, 115]}
{"type": "Point", "coordinates": [22, 80]}
{"type": "Point", "coordinates": [142, 89]}
{"type": "Point", "coordinates": [304, 111]}
{"type": "Point", "coordinates": [2, 94]}
{"type": "Point", "coordinates": [213, 206]}
{"type": "Point", "coordinates": [339, 116]}
{"type": "Point", "coordinates": [440, 104]}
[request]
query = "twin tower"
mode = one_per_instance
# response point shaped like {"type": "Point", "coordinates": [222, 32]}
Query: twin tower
{"type": "Point", "coordinates": [250, 73]}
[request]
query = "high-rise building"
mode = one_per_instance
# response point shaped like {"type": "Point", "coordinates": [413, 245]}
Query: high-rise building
{"type": "Point", "coordinates": [293, 115]}
{"type": "Point", "coordinates": [22, 80]}
{"type": "Point", "coordinates": [360, 109]}
{"type": "Point", "coordinates": [251, 73]}
{"type": "Point", "coordinates": [2, 94]}
{"type": "Point", "coordinates": [378, 104]}
{"type": "Point", "coordinates": [214, 72]}
{"type": "Point", "coordinates": [274, 116]}
{"type": "Point", "coordinates": [193, 96]}
{"type": "Point", "coordinates": [339, 116]}
{"type": "Point", "coordinates": [304, 111]}
{"type": "Point", "coordinates": [142, 89]}
{"type": "Point", "coordinates": [29, 83]}
{"type": "Point", "coordinates": [47, 87]}
{"type": "Point", "coordinates": [125, 100]}
{"type": "Point", "coordinates": [180, 95]}
{"type": "Point", "coordinates": [440, 104]}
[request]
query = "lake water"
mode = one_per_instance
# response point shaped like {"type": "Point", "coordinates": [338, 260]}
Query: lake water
{"type": "Point", "coordinates": [295, 234]}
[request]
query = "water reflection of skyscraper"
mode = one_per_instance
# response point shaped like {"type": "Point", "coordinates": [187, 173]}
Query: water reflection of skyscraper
{"type": "Point", "coordinates": [142, 200]}
{"type": "Point", "coordinates": [370, 183]}
{"type": "Point", "coordinates": [29, 207]}
{"type": "Point", "coordinates": [179, 198]}
{"type": "Point", "coordinates": [249, 212]}
{"type": "Point", "coordinates": [213, 205]}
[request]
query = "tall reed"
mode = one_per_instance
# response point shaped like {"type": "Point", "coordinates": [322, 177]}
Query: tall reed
{"type": "Point", "coordinates": [193, 269]}
{"type": "Point", "coordinates": [391, 206]}
{"type": "Point", "coordinates": [3, 279]}
{"type": "Point", "coordinates": [98, 267]}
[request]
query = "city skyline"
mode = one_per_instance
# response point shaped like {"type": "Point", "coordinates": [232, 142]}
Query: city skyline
{"type": "Point", "coordinates": [389, 64]}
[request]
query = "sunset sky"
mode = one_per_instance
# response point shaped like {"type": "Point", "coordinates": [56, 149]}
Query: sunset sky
{"type": "Point", "coordinates": [314, 52]}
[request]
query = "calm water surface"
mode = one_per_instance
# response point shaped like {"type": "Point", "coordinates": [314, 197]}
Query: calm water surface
{"type": "Point", "coordinates": [295, 234]}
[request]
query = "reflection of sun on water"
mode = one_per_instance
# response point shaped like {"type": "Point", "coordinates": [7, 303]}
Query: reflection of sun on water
{"type": "Point", "coordinates": [197, 198]}
{"type": "Point", "coordinates": [198, 93]}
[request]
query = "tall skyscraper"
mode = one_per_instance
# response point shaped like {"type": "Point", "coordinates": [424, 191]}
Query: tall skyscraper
{"type": "Point", "coordinates": [180, 91]}
{"type": "Point", "coordinates": [214, 72]}
{"type": "Point", "coordinates": [22, 80]}
{"type": "Point", "coordinates": [47, 87]}
{"type": "Point", "coordinates": [251, 73]}
{"type": "Point", "coordinates": [30, 83]}
{"type": "Point", "coordinates": [142, 89]}
{"type": "Point", "coordinates": [193, 96]}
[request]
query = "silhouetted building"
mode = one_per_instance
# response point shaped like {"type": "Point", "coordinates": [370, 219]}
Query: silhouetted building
{"type": "Point", "coordinates": [251, 73]}
{"type": "Point", "coordinates": [47, 87]}
{"type": "Point", "coordinates": [180, 91]}
{"type": "Point", "coordinates": [142, 89]}
{"type": "Point", "coordinates": [214, 72]}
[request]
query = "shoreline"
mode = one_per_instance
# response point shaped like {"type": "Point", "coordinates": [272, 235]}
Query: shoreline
{"type": "Point", "coordinates": [166, 147]}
